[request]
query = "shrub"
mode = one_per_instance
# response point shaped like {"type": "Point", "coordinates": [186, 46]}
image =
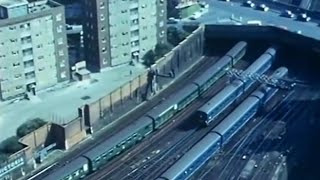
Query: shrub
{"type": "Point", "coordinates": [30, 126]}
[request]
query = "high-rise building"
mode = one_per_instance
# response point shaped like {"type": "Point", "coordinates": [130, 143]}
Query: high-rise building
{"type": "Point", "coordinates": [33, 46]}
{"type": "Point", "coordinates": [122, 31]}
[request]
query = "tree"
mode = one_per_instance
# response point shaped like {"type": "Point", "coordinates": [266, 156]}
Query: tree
{"type": "Point", "coordinates": [149, 58]}
{"type": "Point", "coordinates": [161, 49]}
{"type": "Point", "coordinates": [175, 36]}
{"type": "Point", "coordinates": [10, 145]}
{"type": "Point", "coordinates": [30, 126]}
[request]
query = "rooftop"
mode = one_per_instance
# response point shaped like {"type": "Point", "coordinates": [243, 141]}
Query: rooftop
{"type": "Point", "coordinates": [11, 3]}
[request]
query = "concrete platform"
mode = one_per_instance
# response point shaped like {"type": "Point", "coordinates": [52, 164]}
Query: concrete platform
{"type": "Point", "coordinates": [59, 104]}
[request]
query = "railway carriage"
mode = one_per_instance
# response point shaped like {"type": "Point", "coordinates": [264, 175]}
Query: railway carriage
{"type": "Point", "coordinates": [121, 141]}
{"type": "Point", "coordinates": [211, 75]}
{"type": "Point", "coordinates": [194, 158]}
{"type": "Point", "coordinates": [237, 52]}
{"type": "Point", "coordinates": [76, 169]}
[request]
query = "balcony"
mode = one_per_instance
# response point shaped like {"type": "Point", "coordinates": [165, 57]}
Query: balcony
{"type": "Point", "coordinates": [134, 16]}
{"type": "Point", "coordinates": [26, 46]}
{"type": "Point", "coordinates": [134, 27]}
{"type": "Point", "coordinates": [135, 48]}
{"type": "Point", "coordinates": [134, 38]}
{"type": "Point", "coordinates": [134, 4]}
{"type": "Point", "coordinates": [25, 34]}
{"type": "Point", "coordinates": [29, 69]}
{"type": "Point", "coordinates": [27, 57]}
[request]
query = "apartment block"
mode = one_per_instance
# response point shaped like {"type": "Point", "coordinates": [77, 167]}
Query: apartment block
{"type": "Point", "coordinates": [122, 31]}
{"type": "Point", "coordinates": [33, 46]}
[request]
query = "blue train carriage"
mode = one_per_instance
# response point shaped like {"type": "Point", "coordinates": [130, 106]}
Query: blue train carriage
{"type": "Point", "coordinates": [76, 169]}
{"type": "Point", "coordinates": [194, 158]}
{"type": "Point", "coordinates": [238, 118]}
{"type": "Point", "coordinates": [211, 75]}
{"type": "Point", "coordinates": [237, 52]}
{"type": "Point", "coordinates": [263, 63]}
{"type": "Point", "coordinates": [124, 139]}
{"type": "Point", "coordinates": [209, 112]}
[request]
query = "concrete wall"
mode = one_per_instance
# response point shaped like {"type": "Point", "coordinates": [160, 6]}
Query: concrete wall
{"type": "Point", "coordinates": [96, 110]}
{"type": "Point", "coordinates": [35, 139]}
{"type": "Point", "coordinates": [74, 132]}
{"type": "Point", "coordinates": [262, 33]}
{"type": "Point", "coordinates": [182, 56]}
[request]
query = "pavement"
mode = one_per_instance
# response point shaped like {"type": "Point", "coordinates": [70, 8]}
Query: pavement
{"type": "Point", "coordinates": [222, 12]}
{"type": "Point", "coordinates": [60, 103]}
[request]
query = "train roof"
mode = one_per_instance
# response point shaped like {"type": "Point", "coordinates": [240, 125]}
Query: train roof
{"type": "Point", "coordinates": [200, 80]}
{"type": "Point", "coordinates": [236, 48]}
{"type": "Point", "coordinates": [262, 60]}
{"type": "Point", "coordinates": [67, 169]}
{"type": "Point", "coordinates": [272, 51]}
{"type": "Point", "coordinates": [118, 137]}
{"type": "Point", "coordinates": [172, 100]}
{"type": "Point", "coordinates": [187, 159]}
{"type": "Point", "coordinates": [234, 116]}
{"type": "Point", "coordinates": [220, 97]}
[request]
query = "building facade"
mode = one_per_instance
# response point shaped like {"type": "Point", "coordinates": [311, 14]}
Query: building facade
{"type": "Point", "coordinates": [122, 31]}
{"type": "Point", "coordinates": [33, 45]}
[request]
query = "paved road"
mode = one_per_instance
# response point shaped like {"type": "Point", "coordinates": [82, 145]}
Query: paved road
{"type": "Point", "coordinates": [220, 11]}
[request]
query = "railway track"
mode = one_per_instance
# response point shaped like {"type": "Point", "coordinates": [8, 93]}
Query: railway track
{"type": "Point", "coordinates": [127, 168]}
{"type": "Point", "coordinates": [100, 136]}
{"type": "Point", "coordinates": [284, 112]}
{"type": "Point", "coordinates": [236, 145]}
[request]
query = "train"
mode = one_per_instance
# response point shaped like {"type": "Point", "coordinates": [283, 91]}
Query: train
{"type": "Point", "coordinates": [210, 111]}
{"type": "Point", "coordinates": [211, 143]}
{"type": "Point", "coordinates": [99, 155]}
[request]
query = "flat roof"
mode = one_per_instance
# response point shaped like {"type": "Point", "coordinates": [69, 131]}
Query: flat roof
{"type": "Point", "coordinates": [12, 3]}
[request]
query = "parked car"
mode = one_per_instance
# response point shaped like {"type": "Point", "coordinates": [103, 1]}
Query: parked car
{"type": "Point", "coordinates": [288, 14]}
{"type": "Point", "coordinates": [303, 17]}
{"type": "Point", "coordinates": [248, 4]}
{"type": "Point", "coordinates": [263, 7]}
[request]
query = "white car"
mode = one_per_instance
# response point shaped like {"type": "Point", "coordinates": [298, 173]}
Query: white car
{"type": "Point", "coordinates": [303, 17]}
{"type": "Point", "coordinates": [249, 4]}
{"type": "Point", "coordinates": [263, 7]}
{"type": "Point", "coordinates": [288, 14]}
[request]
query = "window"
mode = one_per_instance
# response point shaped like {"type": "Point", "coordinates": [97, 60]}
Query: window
{"type": "Point", "coordinates": [30, 75]}
{"type": "Point", "coordinates": [161, 24]}
{"type": "Point", "coordinates": [17, 76]}
{"type": "Point", "coordinates": [63, 74]}
{"type": "Point", "coordinates": [62, 63]}
{"type": "Point", "coordinates": [102, 17]}
{"type": "Point", "coordinates": [102, 5]}
{"type": "Point", "coordinates": [59, 17]}
{"type": "Point", "coordinates": [60, 41]}
{"type": "Point", "coordinates": [19, 87]}
{"type": "Point", "coordinates": [41, 69]}
{"type": "Point", "coordinates": [59, 29]}
{"type": "Point", "coordinates": [61, 53]}
{"type": "Point", "coordinates": [16, 64]}
{"type": "Point", "coordinates": [104, 50]}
